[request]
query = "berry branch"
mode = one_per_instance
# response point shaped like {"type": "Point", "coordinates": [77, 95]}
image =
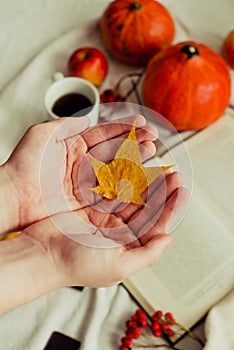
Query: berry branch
{"type": "Point", "coordinates": [134, 83]}
{"type": "Point", "coordinates": [190, 333]}
{"type": "Point", "coordinates": [114, 95]}
{"type": "Point", "coordinates": [160, 325]}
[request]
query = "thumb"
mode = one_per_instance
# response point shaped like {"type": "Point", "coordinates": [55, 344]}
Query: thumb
{"type": "Point", "coordinates": [148, 254]}
{"type": "Point", "coordinates": [69, 126]}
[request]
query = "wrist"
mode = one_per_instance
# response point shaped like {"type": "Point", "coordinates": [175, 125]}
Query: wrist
{"type": "Point", "coordinates": [26, 272]}
{"type": "Point", "coordinates": [8, 203]}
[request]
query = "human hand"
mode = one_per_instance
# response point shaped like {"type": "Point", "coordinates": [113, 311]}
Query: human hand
{"type": "Point", "coordinates": [111, 241]}
{"type": "Point", "coordinates": [20, 175]}
{"type": "Point", "coordinates": [43, 168]}
{"type": "Point", "coordinates": [92, 262]}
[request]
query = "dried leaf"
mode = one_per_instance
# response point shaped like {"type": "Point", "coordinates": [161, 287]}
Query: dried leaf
{"type": "Point", "coordinates": [124, 178]}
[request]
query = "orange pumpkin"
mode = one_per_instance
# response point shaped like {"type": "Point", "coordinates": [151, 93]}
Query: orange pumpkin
{"type": "Point", "coordinates": [189, 84]}
{"type": "Point", "coordinates": [134, 30]}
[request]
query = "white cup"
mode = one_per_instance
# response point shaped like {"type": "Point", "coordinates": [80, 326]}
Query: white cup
{"type": "Point", "coordinates": [68, 85]}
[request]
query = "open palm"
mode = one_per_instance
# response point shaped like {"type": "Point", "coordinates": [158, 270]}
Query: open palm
{"type": "Point", "coordinates": [113, 246]}
{"type": "Point", "coordinates": [45, 166]}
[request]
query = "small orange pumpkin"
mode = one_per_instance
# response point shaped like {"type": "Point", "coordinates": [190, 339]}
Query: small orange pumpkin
{"type": "Point", "coordinates": [189, 84]}
{"type": "Point", "coordinates": [134, 30]}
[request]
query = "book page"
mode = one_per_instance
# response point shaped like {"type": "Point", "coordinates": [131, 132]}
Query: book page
{"type": "Point", "coordinates": [213, 165]}
{"type": "Point", "coordinates": [201, 244]}
{"type": "Point", "coordinates": [198, 269]}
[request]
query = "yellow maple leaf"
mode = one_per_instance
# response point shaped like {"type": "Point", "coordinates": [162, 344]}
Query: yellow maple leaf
{"type": "Point", "coordinates": [10, 235]}
{"type": "Point", "coordinates": [124, 178]}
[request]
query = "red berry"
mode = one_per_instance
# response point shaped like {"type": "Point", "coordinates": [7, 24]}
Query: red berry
{"type": "Point", "coordinates": [164, 326]}
{"type": "Point", "coordinates": [108, 93]}
{"type": "Point", "coordinates": [158, 314]}
{"type": "Point", "coordinates": [107, 96]}
{"type": "Point", "coordinates": [126, 341]}
{"type": "Point", "coordinates": [141, 313]}
{"type": "Point", "coordinates": [170, 332]}
{"type": "Point", "coordinates": [131, 324]}
{"type": "Point", "coordinates": [157, 333]}
{"type": "Point", "coordinates": [103, 98]}
{"type": "Point", "coordinates": [136, 332]}
{"type": "Point", "coordinates": [154, 318]}
{"type": "Point", "coordinates": [142, 323]}
{"type": "Point", "coordinates": [134, 317]}
{"type": "Point", "coordinates": [169, 317]}
{"type": "Point", "coordinates": [155, 326]}
{"type": "Point", "coordinates": [128, 323]}
{"type": "Point", "coordinates": [119, 98]}
{"type": "Point", "coordinates": [111, 99]}
{"type": "Point", "coordinates": [129, 333]}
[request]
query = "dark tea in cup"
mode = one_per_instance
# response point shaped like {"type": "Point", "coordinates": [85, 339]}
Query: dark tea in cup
{"type": "Point", "coordinates": [72, 96]}
{"type": "Point", "coordinates": [70, 104]}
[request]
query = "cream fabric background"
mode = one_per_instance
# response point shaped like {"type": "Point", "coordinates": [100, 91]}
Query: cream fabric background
{"type": "Point", "coordinates": [35, 41]}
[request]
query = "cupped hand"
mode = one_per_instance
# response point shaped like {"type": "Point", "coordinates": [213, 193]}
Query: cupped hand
{"type": "Point", "coordinates": [45, 166]}
{"type": "Point", "coordinates": [70, 234]}
{"type": "Point", "coordinates": [100, 258]}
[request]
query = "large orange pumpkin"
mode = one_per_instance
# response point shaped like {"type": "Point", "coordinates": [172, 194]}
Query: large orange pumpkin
{"type": "Point", "coordinates": [189, 84]}
{"type": "Point", "coordinates": [134, 30]}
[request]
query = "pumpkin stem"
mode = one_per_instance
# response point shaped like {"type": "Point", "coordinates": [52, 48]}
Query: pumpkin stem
{"type": "Point", "coordinates": [190, 51]}
{"type": "Point", "coordinates": [134, 6]}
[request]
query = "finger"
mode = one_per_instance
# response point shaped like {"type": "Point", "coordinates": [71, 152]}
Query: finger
{"type": "Point", "coordinates": [152, 131]}
{"type": "Point", "coordinates": [138, 258]}
{"type": "Point", "coordinates": [128, 211]}
{"type": "Point", "coordinates": [172, 211]}
{"type": "Point", "coordinates": [147, 132]}
{"type": "Point", "coordinates": [148, 150]}
{"type": "Point", "coordinates": [67, 127]}
{"type": "Point", "coordinates": [143, 220]}
{"type": "Point", "coordinates": [106, 150]}
{"type": "Point", "coordinates": [156, 195]}
{"type": "Point", "coordinates": [107, 131]}
{"type": "Point", "coordinates": [74, 168]}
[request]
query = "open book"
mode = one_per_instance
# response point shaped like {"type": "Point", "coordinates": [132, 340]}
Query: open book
{"type": "Point", "coordinates": [198, 269]}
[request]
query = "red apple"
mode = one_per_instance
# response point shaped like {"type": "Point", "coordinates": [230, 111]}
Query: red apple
{"type": "Point", "coordinates": [88, 63]}
{"type": "Point", "coordinates": [228, 49]}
